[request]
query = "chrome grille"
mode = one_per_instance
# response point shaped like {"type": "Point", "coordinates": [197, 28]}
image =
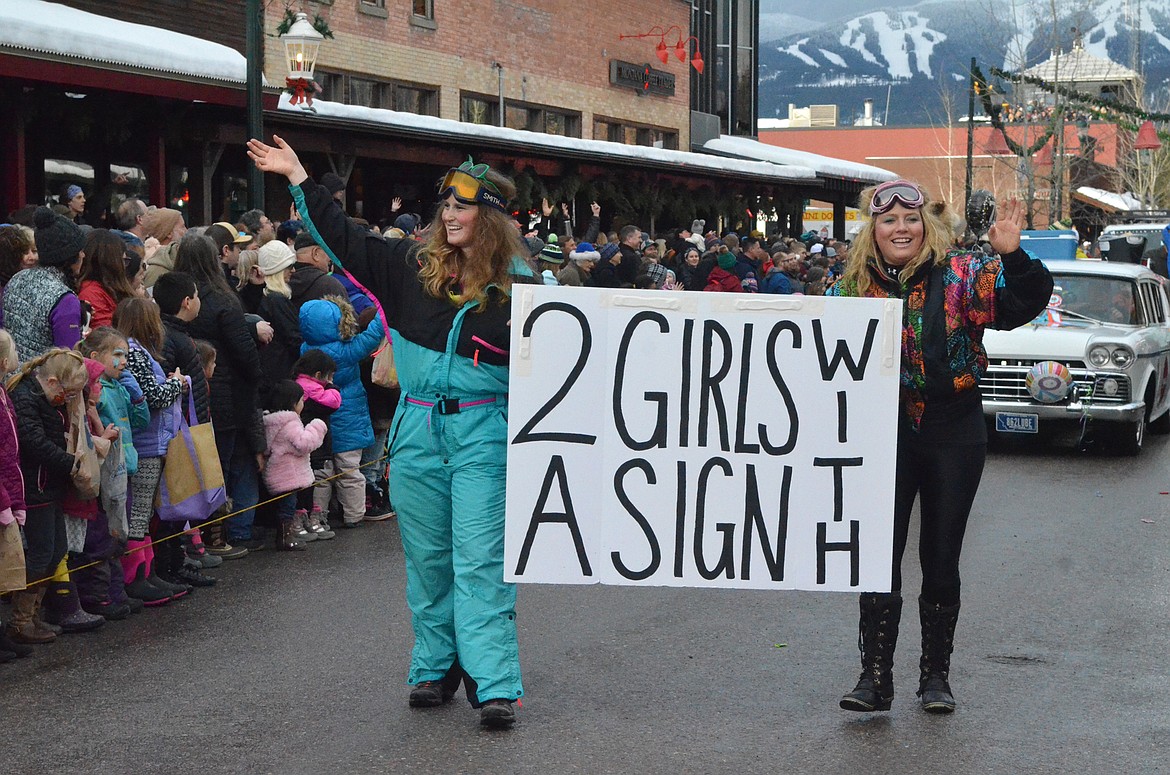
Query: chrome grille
{"type": "Point", "coordinates": [1004, 381]}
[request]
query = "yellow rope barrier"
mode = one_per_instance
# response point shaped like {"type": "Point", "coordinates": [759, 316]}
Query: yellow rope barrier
{"type": "Point", "coordinates": [180, 534]}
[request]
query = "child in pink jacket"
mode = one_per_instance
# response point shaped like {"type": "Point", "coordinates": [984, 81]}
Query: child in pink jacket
{"type": "Point", "coordinates": [290, 442]}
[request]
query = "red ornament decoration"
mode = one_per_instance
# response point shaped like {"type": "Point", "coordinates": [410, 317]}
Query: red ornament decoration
{"type": "Point", "coordinates": [302, 90]}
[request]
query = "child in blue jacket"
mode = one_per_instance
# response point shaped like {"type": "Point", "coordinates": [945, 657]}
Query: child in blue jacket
{"type": "Point", "coordinates": [330, 325]}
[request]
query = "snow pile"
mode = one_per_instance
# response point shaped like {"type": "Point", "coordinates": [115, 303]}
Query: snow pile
{"type": "Point", "coordinates": [1124, 201]}
{"type": "Point", "coordinates": [745, 147]}
{"type": "Point", "coordinates": [51, 28]}
{"type": "Point", "coordinates": [460, 130]}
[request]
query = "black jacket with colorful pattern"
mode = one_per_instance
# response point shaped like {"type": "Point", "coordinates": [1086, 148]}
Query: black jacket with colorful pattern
{"type": "Point", "coordinates": [946, 309]}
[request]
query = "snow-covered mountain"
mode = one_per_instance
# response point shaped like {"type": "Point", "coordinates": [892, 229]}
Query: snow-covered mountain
{"type": "Point", "coordinates": [915, 54]}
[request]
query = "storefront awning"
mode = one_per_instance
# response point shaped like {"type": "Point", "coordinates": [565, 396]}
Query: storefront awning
{"type": "Point", "coordinates": [494, 137]}
{"type": "Point", "coordinates": [825, 166]}
{"type": "Point", "coordinates": [80, 48]}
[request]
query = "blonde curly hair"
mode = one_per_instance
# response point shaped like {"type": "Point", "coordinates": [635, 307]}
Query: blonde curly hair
{"type": "Point", "coordinates": [937, 240]}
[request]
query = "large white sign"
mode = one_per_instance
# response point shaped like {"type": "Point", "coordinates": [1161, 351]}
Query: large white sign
{"type": "Point", "coordinates": [701, 439]}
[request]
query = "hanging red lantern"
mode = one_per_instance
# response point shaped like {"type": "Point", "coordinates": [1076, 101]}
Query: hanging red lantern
{"type": "Point", "coordinates": [997, 144]}
{"type": "Point", "coordinates": [1147, 138]}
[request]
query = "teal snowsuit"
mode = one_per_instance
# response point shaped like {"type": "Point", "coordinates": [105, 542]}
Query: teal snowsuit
{"type": "Point", "coordinates": [448, 446]}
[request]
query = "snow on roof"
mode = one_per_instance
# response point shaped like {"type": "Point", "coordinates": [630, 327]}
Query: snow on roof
{"type": "Point", "coordinates": [1079, 65]}
{"type": "Point", "coordinates": [461, 130]}
{"type": "Point", "coordinates": [825, 166]}
{"type": "Point", "coordinates": [1110, 199]}
{"type": "Point", "coordinates": [51, 28]}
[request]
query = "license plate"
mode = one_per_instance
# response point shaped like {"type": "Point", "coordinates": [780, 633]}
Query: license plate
{"type": "Point", "coordinates": [1017, 422]}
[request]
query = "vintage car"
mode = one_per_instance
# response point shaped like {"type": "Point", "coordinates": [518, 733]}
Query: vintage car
{"type": "Point", "coordinates": [1108, 325]}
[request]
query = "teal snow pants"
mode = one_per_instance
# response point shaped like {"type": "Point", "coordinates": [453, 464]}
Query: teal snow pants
{"type": "Point", "coordinates": [447, 474]}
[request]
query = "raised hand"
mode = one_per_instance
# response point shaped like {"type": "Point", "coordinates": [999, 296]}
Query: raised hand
{"type": "Point", "coordinates": [280, 159]}
{"type": "Point", "coordinates": [1004, 234]}
{"type": "Point", "coordinates": [395, 204]}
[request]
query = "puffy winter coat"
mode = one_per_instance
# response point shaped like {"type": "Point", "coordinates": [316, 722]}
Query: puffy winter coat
{"type": "Point", "coordinates": [44, 463]}
{"type": "Point", "coordinates": [114, 406]}
{"type": "Point", "coordinates": [289, 445]}
{"type": "Point", "coordinates": [11, 481]}
{"type": "Point", "coordinates": [350, 424]}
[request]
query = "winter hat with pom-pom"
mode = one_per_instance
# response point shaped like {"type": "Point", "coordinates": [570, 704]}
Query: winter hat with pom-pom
{"type": "Point", "coordinates": [58, 239]}
{"type": "Point", "coordinates": [552, 252]}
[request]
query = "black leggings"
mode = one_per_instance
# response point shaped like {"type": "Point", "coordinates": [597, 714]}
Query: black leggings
{"type": "Point", "coordinates": [946, 476]}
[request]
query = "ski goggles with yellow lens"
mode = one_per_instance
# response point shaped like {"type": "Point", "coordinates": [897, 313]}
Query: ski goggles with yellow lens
{"type": "Point", "coordinates": [895, 192]}
{"type": "Point", "coordinates": [468, 184]}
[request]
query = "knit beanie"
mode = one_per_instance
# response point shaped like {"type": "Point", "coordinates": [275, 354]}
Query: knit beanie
{"type": "Point", "coordinates": [657, 273]}
{"type": "Point", "coordinates": [585, 252]}
{"type": "Point", "coordinates": [332, 182]}
{"type": "Point", "coordinates": [58, 239]}
{"type": "Point", "coordinates": [697, 226]}
{"type": "Point", "coordinates": [160, 222]}
{"type": "Point", "coordinates": [552, 252]}
{"type": "Point", "coordinates": [275, 256]}
{"type": "Point", "coordinates": [726, 261]}
{"type": "Point", "coordinates": [609, 250]}
{"type": "Point", "coordinates": [535, 245]}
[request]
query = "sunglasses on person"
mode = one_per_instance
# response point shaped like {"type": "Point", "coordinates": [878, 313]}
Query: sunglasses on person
{"type": "Point", "coordinates": [895, 192]}
{"type": "Point", "coordinates": [468, 184]}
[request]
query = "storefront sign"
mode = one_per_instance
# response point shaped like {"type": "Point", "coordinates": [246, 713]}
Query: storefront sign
{"type": "Point", "coordinates": [644, 78]}
{"type": "Point", "coordinates": [701, 439]}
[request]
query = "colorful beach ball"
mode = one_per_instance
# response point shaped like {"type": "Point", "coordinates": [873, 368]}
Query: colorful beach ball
{"type": "Point", "coordinates": [1048, 381]}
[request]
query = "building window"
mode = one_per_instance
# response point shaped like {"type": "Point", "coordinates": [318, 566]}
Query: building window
{"type": "Point", "coordinates": [519, 115]}
{"type": "Point", "coordinates": [422, 14]}
{"type": "Point", "coordinates": [372, 93]}
{"type": "Point", "coordinates": [479, 110]}
{"type": "Point", "coordinates": [332, 86]}
{"type": "Point", "coordinates": [632, 134]}
{"type": "Point", "coordinates": [413, 99]}
{"type": "Point", "coordinates": [373, 8]}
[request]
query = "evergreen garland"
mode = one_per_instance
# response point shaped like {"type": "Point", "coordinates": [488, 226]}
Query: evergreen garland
{"type": "Point", "coordinates": [290, 16]}
{"type": "Point", "coordinates": [1114, 112]}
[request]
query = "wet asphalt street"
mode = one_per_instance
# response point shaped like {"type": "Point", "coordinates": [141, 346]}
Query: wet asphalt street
{"type": "Point", "coordinates": [296, 664]}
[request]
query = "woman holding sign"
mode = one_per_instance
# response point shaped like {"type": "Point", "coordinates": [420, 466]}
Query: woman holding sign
{"type": "Point", "coordinates": [905, 250]}
{"type": "Point", "coordinates": [447, 304]}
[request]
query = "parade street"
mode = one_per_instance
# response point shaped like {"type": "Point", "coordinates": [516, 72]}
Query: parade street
{"type": "Point", "coordinates": [298, 665]}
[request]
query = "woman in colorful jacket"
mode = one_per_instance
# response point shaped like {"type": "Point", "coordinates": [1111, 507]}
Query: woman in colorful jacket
{"type": "Point", "coordinates": [448, 306]}
{"type": "Point", "coordinates": [905, 250]}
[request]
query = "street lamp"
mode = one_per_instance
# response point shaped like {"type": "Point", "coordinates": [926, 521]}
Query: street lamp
{"type": "Point", "coordinates": [301, 44]}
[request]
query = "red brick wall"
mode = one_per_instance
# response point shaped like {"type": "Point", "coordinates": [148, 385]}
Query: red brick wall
{"type": "Point", "coordinates": [554, 52]}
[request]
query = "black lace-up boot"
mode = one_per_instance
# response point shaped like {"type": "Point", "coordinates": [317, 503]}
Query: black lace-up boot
{"type": "Point", "coordinates": [877, 637]}
{"type": "Point", "coordinates": [938, 640]}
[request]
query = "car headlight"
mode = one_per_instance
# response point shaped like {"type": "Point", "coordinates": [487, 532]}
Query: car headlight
{"type": "Point", "coordinates": [1098, 355]}
{"type": "Point", "coordinates": [1123, 357]}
